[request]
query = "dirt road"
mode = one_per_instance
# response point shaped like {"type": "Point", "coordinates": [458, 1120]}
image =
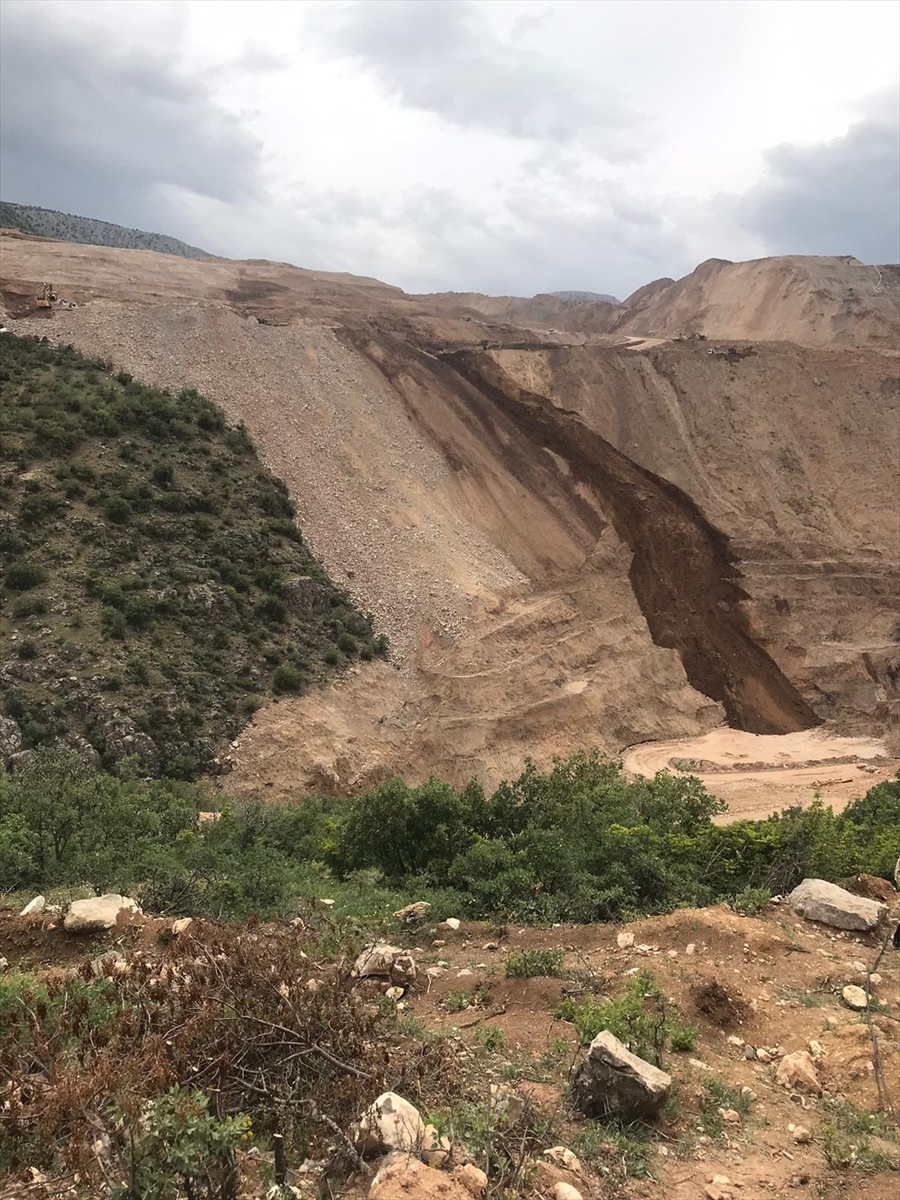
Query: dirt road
{"type": "Point", "coordinates": [758, 774]}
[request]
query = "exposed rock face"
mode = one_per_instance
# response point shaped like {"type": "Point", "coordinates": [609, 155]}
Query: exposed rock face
{"type": "Point", "coordinates": [612, 1081]}
{"type": "Point", "coordinates": [98, 913]}
{"type": "Point", "coordinates": [391, 1124]}
{"type": "Point", "coordinates": [797, 1071]}
{"type": "Point", "coordinates": [818, 900]}
{"type": "Point", "coordinates": [10, 738]}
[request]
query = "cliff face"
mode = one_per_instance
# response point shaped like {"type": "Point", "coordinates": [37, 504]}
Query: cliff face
{"type": "Point", "coordinates": [568, 545]}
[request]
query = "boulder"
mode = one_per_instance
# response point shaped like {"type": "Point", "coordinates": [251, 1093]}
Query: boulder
{"type": "Point", "coordinates": [182, 925]}
{"type": "Point", "coordinates": [471, 1177]}
{"type": "Point", "coordinates": [376, 960]}
{"type": "Point", "coordinates": [34, 907]}
{"type": "Point", "coordinates": [855, 997]}
{"type": "Point", "coordinates": [818, 900]}
{"type": "Point", "coordinates": [413, 914]}
{"type": "Point", "coordinates": [612, 1081]}
{"type": "Point", "coordinates": [391, 1124]}
{"type": "Point", "coordinates": [404, 1178]}
{"type": "Point", "coordinates": [564, 1157]}
{"type": "Point", "coordinates": [625, 939]}
{"type": "Point", "coordinates": [98, 913]}
{"type": "Point", "coordinates": [565, 1191]}
{"type": "Point", "coordinates": [797, 1071]}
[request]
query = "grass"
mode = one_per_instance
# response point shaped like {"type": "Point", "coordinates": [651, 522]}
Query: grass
{"type": "Point", "coordinates": [642, 1018]}
{"type": "Point", "coordinates": [718, 1096]}
{"type": "Point", "coordinates": [153, 563]}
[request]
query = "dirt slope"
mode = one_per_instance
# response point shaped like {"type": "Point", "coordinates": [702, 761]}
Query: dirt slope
{"type": "Point", "coordinates": [568, 545]}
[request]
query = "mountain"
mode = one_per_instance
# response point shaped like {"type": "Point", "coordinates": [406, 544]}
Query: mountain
{"type": "Point", "coordinates": [63, 227]}
{"type": "Point", "coordinates": [601, 296]}
{"type": "Point", "coordinates": [616, 541]}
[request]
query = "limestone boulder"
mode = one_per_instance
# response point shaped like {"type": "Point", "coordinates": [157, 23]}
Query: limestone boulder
{"type": "Point", "coordinates": [99, 913]}
{"type": "Point", "coordinates": [818, 900]}
{"type": "Point", "coordinates": [35, 907]}
{"type": "Point", "coordinates": [391, 1124]}
{"type": "Point", "coordinates": [612, 1081]}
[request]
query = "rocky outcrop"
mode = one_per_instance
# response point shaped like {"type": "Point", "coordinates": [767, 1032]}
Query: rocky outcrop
{"type": "Point", "coordinates": [99, 913]}
{"type": "Point", "coordinates": [614, 1082]}
{"type": "Point", "coordinates": [818, 900]}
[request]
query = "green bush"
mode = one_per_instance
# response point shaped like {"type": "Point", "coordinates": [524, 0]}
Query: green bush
{"type": "Point", "coordinates": [751, 901]}
{"type": "Point", "coordinates": [287, 679]}
{"type": "Point", "coordinates": [20, 576]}
{"type": "Point", "coordinates": [117, 510]}
{"type": "Point", "coordinates": [526, 964]}
{"type": "Point", "coordinates": [642, 1018]}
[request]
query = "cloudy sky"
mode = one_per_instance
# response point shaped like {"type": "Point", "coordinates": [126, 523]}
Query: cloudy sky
{"type": "Point", "coordinates": [489, 145]}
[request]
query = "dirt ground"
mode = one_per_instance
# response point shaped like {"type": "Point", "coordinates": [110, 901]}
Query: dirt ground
{"type": "Point", "coordinates": [757, 775]}
{"type": "Point", "coordinates": [771, 982]}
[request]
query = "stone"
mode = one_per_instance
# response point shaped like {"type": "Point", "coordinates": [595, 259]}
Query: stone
{"type": "Point", "coordinates": [797, 1072]}
{"type": "Point", "coordinates": [815, 1048]}
{"type": "Point", "coordinates": [734, 1040]}
{"type": "Point", "coordinates": [413, 914]}
{"type": "Point", "coordinates": [451, 923]}
{"type": "Point", "coordinates": [376, 960]}
{"type": "Point", "coordinates": [506, 1103]}
{"type": "Point", "coordinates": [403, 970]}
{"type": "Point", "coordinates": [565, 1191]}
{"type": "Point", "coordinates": [818, 900]}
{"type": "Point", "coordinates": [107, 964]}
{"type": "Point", "coordinates": [10, 738]}
{"type": "Point", "coordinates": [34, 907]}
{"type": "Point", "coordinates": [394, 993]}
{"type": "Point", "coordinates": [612, 1081]}
{"type": "Point", "coordinates": [564, 1157]}
{"type": "Point", "coordinates": [471, 1177]}
{"type": "Point", "coordinates": [690, 948]}
{"type": "Point", "coordinates": [4, 964]}
{"type": "Point", "coordinates": [99, 913]}
{"type": "Point", "coordinates": [731, 1115]}
{"type": "Point", "coordinates": [799, 1133]}
{"type": "Point", "coordinates": [391, 1124]}
{"type": "Point", "coordinates": [763, 1055]}
{"type": "Point", "coordinates": [402, 1177]}
{"type": "Point", "coordinates": [625, 939]}
{"type": "Point", "coordinates": [182, 925]}
{"type": "Point", "coordinates": [855, 997]}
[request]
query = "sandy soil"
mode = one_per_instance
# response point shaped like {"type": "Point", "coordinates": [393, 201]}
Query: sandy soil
{"type": "Point", "coordinates": [756, 774]}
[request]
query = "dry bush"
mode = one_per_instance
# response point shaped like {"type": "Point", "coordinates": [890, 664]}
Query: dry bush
{"type": "Point", "coordinates": [230, 1012]}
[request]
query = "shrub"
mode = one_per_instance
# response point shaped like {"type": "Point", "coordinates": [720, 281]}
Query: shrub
{"type": "Point", "coordinates": [117, 510]}
{"type": "Point", "coordinates": [27, 649]}
{"type": "Point", "coordinates": [526, 964]}
{"type": "Point", "coordinates": [347, 643]}
{"type": "Point", "coordinates": [751, 901]}
{"type": "Point", "coordinates": [642, 1018]}
{"type": "Point", "coordinates": [20, 576]}
{"type": "Point", "coordinates": [287, 679]}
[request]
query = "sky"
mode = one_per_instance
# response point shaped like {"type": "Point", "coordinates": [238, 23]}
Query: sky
{"type": "Point", "coordinates": [467, 145]}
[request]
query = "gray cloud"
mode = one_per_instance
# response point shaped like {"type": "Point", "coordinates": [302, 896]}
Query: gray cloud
{"type": "Point", "coordinates": [443, 58]}
{"type": "Point", "coordinates": [97, 129]}
{"type": "Point", "coordinates": [838, 197]}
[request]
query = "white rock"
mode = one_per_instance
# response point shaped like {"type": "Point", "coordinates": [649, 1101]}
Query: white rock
{"type": "Point", "coordinates": [4, 964]}
{"type": "Point", "coordinates": [625, 939]}
{"type": "Point", "coordinates": [815, 1048]}
{"type": "Point", "coordinates": [182, 924]}
{"type": "Point", "coordinates": [800, 1134]}
{"type": "Point", "coordinates": [818, 900]}
{"type": "Point", "coordinates": [394, 993]}
{"type": "Point", "coordinates": [564, 1157]}
{"type": "Point", "coordinates": [855, 997]}
{"type": "Point", "coordinates": [34, 907]}
{"type": "Point", "coordinates": [690, 948]}
{"type": "Point", "coordinates": [451, 923]}
{"type": "Point", "coordinates": [734, 1040]}
{"type": "Point", "coordinates": [435, 1149]}
{"type": "Point", "coordinates": [390, 1124]}
{"type": "Point", "coordinates": [504, 1102]}
{"type": "Point", "coordinates": [565, 1191]}
{"type": "Point", "coordinates": [98, 913]}
{"type": "Point", "coordinates": [797, 1071]}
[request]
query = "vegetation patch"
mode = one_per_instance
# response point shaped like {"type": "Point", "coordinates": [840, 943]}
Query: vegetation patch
{"type": "Point", "coordinates": [156, 586]}
{"type": "Point", "coordinates": [643, 1019]}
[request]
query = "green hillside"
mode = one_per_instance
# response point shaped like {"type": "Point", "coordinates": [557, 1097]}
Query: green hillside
{"type": "Point", "coordinates": [154, 584]}
{"type": "Point", "coordinates": [64, 227]}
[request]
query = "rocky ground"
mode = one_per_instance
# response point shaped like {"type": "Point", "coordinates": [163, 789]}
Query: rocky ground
{"type": "Point", "coordinates": [788, 1088]}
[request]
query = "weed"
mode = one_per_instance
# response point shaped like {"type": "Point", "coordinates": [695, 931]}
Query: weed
{"type": "Point", "coordinates": [751, 901]}
{"type": "Point", "coordinates": [491, 1037]}
{"type": "Point", "coordinates": [642, 1018]}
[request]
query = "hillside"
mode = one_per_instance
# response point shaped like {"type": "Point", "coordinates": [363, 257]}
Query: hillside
{"type": "Point", "coordinates": [822, 301]}
{"type": "Point", "coordinates": [566, 544]}
{"type": "Point", "coordinates": [64, 227]}
{"type": "Point", "coordinates": [155, 587]}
